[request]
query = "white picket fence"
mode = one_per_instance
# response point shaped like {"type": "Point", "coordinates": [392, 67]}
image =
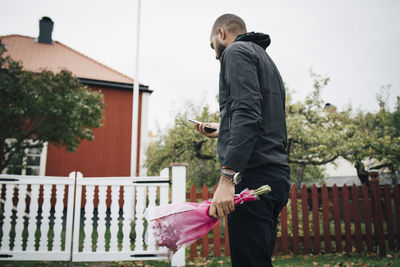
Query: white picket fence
{"type": "Point", "coordinates": [37, 213]}
{"type": "Point", "coordinates": [26, 223]}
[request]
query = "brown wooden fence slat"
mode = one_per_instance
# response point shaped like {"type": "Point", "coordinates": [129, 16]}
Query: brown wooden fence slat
{"type": "Point", "coordinates": [325, 219]}
{"type": "Point", "coordinates": [396, 195]}
{"type": "Point", "coordinates": [276, 246]}
{"type": "Point", "coordinates": [336, 218]}
{"type": "Point", "coordinates": [193, 198]}
{"type": "Point", "coordinates": [389, 216]}
{"type": "Point", "coordinates": [346, 217]}
{"type": "Point", "coordinates": [217, 239]}
{"type": "Point", "coordinates": [367, 207]}
{"type": "Point", "coordinates": [217, 233]}
{"type": "Point", "coordinates": [284, 232]}
{"type": "Point", "coordinates": [295, 220]}
{"type": "Point", "coordinates": [378, 217]}
{"type": "Point", "coordinates": [315, 206]}
{"type": "Point", "coordinates": [306, 228]}
{"type": "Point", "coordinates": [356, 218]}
{"type": "Point", "coordinates": [204, 253]}
{"type": "Point", "coordinates": [227, 248]}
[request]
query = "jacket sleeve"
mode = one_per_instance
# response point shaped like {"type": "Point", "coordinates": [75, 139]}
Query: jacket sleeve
{"type": "Point", "coordinates": [245, 109]}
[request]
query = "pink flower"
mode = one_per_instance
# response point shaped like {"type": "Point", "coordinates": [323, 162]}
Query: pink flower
{"type": "Point", "coordinates": [180, 224]}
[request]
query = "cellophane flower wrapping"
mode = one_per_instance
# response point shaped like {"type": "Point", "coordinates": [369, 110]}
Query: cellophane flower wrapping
{"type": "Point", "coordinates": [178, 224]}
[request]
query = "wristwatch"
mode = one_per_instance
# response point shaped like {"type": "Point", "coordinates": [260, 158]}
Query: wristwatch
{"type": "Point", "coordinates": [234, 177]}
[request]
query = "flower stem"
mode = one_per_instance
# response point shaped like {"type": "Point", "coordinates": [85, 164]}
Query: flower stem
{"type": "Point", "coordinates": [265, 189]}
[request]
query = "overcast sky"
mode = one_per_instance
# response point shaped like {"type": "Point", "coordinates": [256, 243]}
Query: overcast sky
{"type": "Point", "coordinates": [355, 43]}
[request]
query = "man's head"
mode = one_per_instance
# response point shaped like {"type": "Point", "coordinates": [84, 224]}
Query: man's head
{"type": "Point", "coordinates": [224, 31]}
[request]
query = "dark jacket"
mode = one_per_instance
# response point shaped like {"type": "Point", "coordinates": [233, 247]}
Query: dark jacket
{"type": "Point", "coordinates": [252, 132]}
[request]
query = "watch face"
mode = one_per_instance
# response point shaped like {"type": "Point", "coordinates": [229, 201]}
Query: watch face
{"type": "Point", "coordinates": [237, 177]}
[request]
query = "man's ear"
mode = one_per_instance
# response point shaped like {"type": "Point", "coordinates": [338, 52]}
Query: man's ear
{"type": "Point", "coordinates": [222, 33]}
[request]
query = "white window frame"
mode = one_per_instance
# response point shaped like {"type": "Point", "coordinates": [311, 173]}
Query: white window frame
{"type": "Point", "coordinates": [43, 158]}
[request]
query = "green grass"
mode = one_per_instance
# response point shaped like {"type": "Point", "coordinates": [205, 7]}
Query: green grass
{"type": "Point", "coordinates": [324, 260]}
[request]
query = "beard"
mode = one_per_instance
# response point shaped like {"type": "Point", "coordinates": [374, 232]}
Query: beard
{"type": "Point", "coordinates": [219, 48]}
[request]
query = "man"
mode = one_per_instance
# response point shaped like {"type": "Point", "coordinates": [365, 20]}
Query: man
{"type": "Point", "coordinates": [251, 140]}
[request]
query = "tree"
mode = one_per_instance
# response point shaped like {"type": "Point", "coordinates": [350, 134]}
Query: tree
{"type": "Point", "coordinates": [183, 143]}
{"type": "Point", "coordinates": [316, 131]}
{"type": "Point", "coordinates": [375, 140]}
{"type": "Point", "coordinates": [43, 107]}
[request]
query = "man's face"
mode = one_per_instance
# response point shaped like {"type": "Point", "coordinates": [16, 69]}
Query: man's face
{"type": "Point", "coordinates": [217, 46]}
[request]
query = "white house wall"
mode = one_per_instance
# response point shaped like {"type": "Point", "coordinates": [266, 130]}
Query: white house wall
{"type": "Point", "coordinates": [343, 168]}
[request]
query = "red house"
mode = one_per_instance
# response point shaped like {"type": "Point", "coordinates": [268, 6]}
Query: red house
{"type": "Point", "coordinates": [109, 153]}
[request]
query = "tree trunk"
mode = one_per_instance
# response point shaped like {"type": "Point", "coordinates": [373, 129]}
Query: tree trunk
{"type": "Point", "coordinates": [394, 175]}
{"type": "Point", "coordinates": [362, 173]}
{"type": "Point", "coordinates": [299, 175]}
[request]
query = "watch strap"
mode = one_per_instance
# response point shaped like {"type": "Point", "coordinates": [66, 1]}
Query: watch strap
{"type": "Point", "coordinates": [228, 174]}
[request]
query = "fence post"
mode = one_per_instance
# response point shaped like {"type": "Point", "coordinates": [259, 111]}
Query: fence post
{"type": "Point", "coordinates": [284, 231]}
{"type": "Point", "coordinates": [295, 220]}
{"type": "Point", "coordinates": [315, 216]}
{"type": "Point", "coordinates": [356, 217]}
{"type": "Point", "coordinates": [367, 216]}
{"type": "Point", "coordinates": [77, 215]}
{"type": "Point", "coordinates": [378, 217]}
{"type": "Point", "coordinates": [336, 218]}
{"type": "Point", "coordinates": [346, 217]}
{"type": "Point", "coordinates": [396, 195]}
{"type": "Point", "coordinates": [389, 217]}
{"type": "Point", "coordinates": [325, 219]}
{"type": "Point", "coordinates": [178, 195]}
{"type": "Point", "coordinates": [306, 226]}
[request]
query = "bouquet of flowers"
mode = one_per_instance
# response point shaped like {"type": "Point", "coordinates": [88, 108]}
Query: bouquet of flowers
{"type": "Point", "coordinates": [178, 224]}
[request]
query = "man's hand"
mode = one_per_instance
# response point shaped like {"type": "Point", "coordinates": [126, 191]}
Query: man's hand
{"type": "Point", "coordinates": [222, 203]}
{"type": "Point", "coordinates": [201, 127]}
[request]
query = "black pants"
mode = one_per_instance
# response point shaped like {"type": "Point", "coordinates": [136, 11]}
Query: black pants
{"type": "Point", "coordinates": [253, 225]}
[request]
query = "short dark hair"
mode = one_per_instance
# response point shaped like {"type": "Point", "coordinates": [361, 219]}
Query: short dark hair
{"type": "Point", "coordinates": [232, 23]}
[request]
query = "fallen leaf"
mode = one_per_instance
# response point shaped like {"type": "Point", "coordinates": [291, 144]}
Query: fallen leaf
{"type": "Point", "coordinates": [315, 263]}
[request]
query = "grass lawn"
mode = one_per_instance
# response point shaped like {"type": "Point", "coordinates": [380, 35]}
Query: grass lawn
{"type": "Point", "coordinates": [392, 259]}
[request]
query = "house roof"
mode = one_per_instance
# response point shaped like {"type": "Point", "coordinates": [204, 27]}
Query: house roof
{"type": "Point", "coordinates": [57, 56]}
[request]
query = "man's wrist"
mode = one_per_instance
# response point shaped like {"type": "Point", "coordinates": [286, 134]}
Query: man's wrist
{"type": "Point", "coordinates": [231, 175]}
{"type": "Point", "coordinates": [226, 180]}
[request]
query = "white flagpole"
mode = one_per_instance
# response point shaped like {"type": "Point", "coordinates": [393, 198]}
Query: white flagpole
{"type": "Point", "coordinates": [135, 104]}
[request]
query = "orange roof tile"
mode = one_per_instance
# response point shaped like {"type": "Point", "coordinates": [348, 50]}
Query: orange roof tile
{"type": "Point", "coordinates": [57, 56]}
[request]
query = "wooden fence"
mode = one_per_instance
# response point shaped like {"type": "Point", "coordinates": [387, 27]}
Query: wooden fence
{"type": "Point", "coordinates": [323, 220]}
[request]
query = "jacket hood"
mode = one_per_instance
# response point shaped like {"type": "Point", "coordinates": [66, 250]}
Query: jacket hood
{"type": "Point", "coordinates": [261, 39]}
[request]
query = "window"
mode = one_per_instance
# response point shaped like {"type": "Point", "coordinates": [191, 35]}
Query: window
{"type": "Point", "coordinates": [33, 163]}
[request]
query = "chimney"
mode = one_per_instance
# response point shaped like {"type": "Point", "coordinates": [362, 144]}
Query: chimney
{"type": "Point", "coordinates": [45, 30]}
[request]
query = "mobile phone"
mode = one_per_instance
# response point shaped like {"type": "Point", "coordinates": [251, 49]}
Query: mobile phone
{"type": "Point", "coordinates": [207, 129]}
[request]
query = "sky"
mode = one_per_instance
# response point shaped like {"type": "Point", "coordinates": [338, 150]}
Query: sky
{"type": "Point", "coordinates": [355, 43]}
